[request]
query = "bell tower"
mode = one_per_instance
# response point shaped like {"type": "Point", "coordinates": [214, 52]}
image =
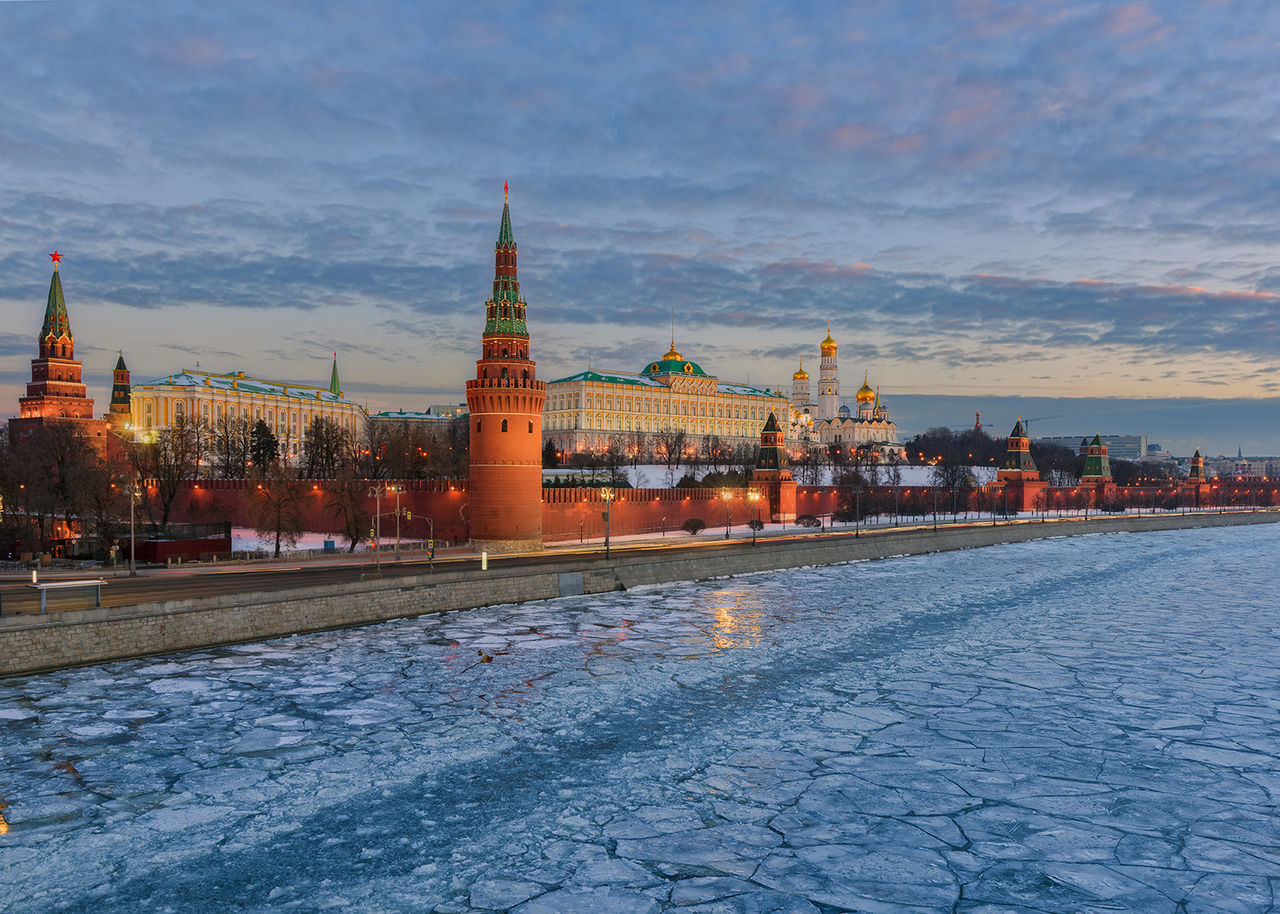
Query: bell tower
{"type": "Point", "coordinates": [505, 401]}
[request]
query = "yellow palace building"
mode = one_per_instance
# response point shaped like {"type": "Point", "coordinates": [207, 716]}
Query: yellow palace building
{"type": "Point", "coordinates": [586, 410]}
{"type": "Point", "coordinates": [209, 399]}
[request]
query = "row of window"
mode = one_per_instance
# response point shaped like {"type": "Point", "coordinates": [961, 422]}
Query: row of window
{"type": "Point", "coordinates": [660, 405]}
{"type": "Point", "coordinates": [479, 424]}
{"type": "Point", "coordinates": [614, 423]}
{"type": "Point", "coordinates": [279, 421]}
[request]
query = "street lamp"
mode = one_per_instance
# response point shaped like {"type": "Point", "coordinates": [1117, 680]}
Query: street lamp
{"type": "Point", "coordinates": [727, 496]}
{"type": "Point", "coordinates": [754, 497]}
{"type": "Point", "coordinates": [607, 495]}
{"type": "Point", "coordinates": [134, 493]}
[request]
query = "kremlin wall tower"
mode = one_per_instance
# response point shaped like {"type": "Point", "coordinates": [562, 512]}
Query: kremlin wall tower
{"type": "Point", "coordinates": [505, 402]}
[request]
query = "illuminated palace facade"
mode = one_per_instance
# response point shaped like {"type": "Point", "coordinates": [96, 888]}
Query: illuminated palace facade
{"type": "Point", "coordinates": [208, 399]}
{"type": "Point", "coordinates": [587, 410]}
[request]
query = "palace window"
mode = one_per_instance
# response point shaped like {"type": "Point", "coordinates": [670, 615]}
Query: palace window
{"type": "Point", "coordinates": [504, 425]}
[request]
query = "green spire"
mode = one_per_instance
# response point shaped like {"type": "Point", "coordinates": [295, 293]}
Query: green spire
{"type": "Point", "coordinates": [120, 365]}
{"type": "Point", "coordinates": [335, 386]}
{"type": "Point", "coordinates": [506, 238]}
{"type": "Point", "coordinates": [56, 323]}
{"type": "Point", "coordinates": [1018, 451]}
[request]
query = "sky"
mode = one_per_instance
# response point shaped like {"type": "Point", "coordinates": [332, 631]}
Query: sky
{"type": "Point", "coordinates": [988, 200]}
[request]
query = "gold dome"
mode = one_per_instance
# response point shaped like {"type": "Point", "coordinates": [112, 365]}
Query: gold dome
{"type": "Point", "coordinates": [672, 355]}
{"type": "Point", "coordinates": [865, 393]}
{"type": "Point", "coordinates": [801, 375]}
{"type": "Point", "coordinates": [828, 343]}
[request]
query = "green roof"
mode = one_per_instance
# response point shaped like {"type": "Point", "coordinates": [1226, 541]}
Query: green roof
{"type": "Point", "coordinates": [674, 366]}
{"type": "Point", "coordinates": [506, 238]}
{"type": "Point", "coordinates": [56, 322]}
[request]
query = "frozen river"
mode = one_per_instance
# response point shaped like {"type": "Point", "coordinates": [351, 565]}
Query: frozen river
{"type": "Point", "coordinates": [1086, 724]}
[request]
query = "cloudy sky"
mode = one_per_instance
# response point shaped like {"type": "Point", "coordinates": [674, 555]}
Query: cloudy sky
{"type": "Point", "coordinates": [987, 199]}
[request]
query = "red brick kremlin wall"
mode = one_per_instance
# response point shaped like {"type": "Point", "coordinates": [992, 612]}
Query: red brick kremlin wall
{"type": "Point", "coordinates": [568, 514]}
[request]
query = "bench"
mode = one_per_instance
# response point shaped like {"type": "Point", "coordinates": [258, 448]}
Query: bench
{"type": "Point", "coordinates": [44, 589]}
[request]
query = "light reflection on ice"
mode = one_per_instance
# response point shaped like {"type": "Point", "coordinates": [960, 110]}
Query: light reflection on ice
{"type": "Point", "coordinates": [1067, 725]}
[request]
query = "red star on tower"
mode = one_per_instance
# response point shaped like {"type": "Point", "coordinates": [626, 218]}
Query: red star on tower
{"type": "Point", "coordinates": [56, 258]}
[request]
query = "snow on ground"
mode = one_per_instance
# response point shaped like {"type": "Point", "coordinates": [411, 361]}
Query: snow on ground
{"type": "Point", "coordinates": [1080, 724]}
{"type": "Point", "coordinates": [655, 476]}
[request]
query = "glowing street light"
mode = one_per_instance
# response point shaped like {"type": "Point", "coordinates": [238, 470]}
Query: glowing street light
{"type": "Point", "coordinates": [754, 497]}
{"type": "Point", "coordinates": [727, 496]}
{"type": "Point", "coordinates": [607, 495]}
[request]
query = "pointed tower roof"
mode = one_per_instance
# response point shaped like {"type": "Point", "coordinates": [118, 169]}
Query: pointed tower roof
{"type": "Point", "coordinates": [1018, 463]}
{"type": "Point", "coordinates": [335, 386]}
{"type": "Point", "coordinates": [120, 365]}
{"type": "Point", "coordinates": [56, 322]}
{"type": "Point", "coordinates": [773, 451]}
{"type": "Point", "coordinates": [506, 237]}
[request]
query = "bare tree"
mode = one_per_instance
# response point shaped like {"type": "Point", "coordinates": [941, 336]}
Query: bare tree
{"type": "Point", "coordinates": [348, 505]}
{"type": "Point", "coordinates": [668, 448]}
{"type": "Point", "coordinates": [277, 504]}
{"type": "Point", "coordinates": [167, 461]}
{"type": "Point", "coordinates": [324, 448]}
{"type": "Point", "coordinates": [230, 447]}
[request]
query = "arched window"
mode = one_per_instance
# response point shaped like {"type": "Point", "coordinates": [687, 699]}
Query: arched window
{"type": "Point", "coordinates": [146, 413]}
{"type": "Point", "coordinates": [204, 412]}
{"type": "Point", "coordinates": [219, 412]}
{"type": "Point", "coordinates": [504, 425]}
{"type": "Point", "coordinates": [530, 426]}
{"type": "Point", "coordinates": [477, 425]}
{"type": "Point", "coordinates": [179, 411]}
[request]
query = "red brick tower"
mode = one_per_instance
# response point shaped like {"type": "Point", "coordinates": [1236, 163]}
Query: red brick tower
{"type": "Point", "coordinates": [56, 392]}
{"type": "Point", "coordinates": [505, 402]}
{"type": "Point", "coordinates": [772, 475]}
{"type": "Point", "coordinates": [1018, 474]}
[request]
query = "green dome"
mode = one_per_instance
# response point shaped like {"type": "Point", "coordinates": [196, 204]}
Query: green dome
{"type": "Point", "coordinates": [674, 363]}
{"type": "Point", "coordinates": [674, 366]}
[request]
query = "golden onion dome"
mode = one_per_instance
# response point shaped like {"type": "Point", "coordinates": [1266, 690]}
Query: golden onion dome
{"type": "Point", "coordinates": [828, 344]}
{"type": "Point", "coordinates": [801, 375]}
{"type": "Point", "coordinates": [672, 355]}
{"type": "Point", "coordinates": [865, 393]}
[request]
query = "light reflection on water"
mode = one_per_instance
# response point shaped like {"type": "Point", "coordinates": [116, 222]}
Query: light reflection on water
{"type": "Point", "coordinates": [737, 613]}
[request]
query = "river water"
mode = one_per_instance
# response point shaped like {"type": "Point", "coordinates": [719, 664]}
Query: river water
{"type": "Point", "coordinates": [1080, 724]}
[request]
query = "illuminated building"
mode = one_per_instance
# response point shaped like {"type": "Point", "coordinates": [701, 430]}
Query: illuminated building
{"type": "Point", "coordinates": [505, 402]}
{"type": "Point", "coordinates": [1018, 475]}
{"type": "Point", "coordinates": [587, 410]}
{"type": "Point", "coordinates": [828, 380]}
{"type": "Point", "coordinates": [56, 392]}
{"type": "Point", "coordinates": [869, 427]}
{"type": "Point", "coordinates": [772, 475]}
{"type": "Point", "coordinates": [209, 399]}
{"type": "Point", "coordinates": [803, 409]}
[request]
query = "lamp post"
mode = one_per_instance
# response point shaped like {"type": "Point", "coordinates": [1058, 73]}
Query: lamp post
{"type": "Point", "coordinates": [133, 497]}
{"type": "Point", "coordinates": [727, 496]}
{"type": "Point", "coordinates": [857, 511]}
{"type": "Point", "coordinates": [754, 497]}
{"type": "Point", "coordinates": [607, 495]}
{"type": "Point", "coordinates": [376, 493]}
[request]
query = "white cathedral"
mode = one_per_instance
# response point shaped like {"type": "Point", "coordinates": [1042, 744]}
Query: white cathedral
{"type": "Point", "coordinates": [829, 422]}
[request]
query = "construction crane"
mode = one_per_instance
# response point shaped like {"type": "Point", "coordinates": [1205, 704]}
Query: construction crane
{"type": "Point", "coordinates": [1026, 423]}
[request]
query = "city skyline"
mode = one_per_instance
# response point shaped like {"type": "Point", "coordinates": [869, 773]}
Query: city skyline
{"type": "Point", "coordinates": [1030, 200]}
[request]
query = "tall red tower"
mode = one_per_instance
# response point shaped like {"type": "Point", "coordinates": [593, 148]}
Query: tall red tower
{"type": "Point", "coordinates": [55, 392]}
{"type": "Point", "coordinates": [505, 402]}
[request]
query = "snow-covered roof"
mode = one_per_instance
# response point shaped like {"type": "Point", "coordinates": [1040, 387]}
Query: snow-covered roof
{"type": "Point", "coordinates": [238, 382]}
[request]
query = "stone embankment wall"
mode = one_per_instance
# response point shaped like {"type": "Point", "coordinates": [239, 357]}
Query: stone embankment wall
{"type": "Point", "coordinates": [37, 643]}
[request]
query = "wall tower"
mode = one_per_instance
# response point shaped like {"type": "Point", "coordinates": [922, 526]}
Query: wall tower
{"type": "Point", "coordinates": [120, 413]}
{"type": "Point", "coordinates": [828, 380]}
{"type": "Point", "coordinates": [505, 401]}
{"type": "Point", "coordinates": [55, 391]}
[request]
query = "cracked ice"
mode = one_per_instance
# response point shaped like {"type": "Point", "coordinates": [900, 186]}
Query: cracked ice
{"type": "Point", "coordinates": [1085, 724]}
